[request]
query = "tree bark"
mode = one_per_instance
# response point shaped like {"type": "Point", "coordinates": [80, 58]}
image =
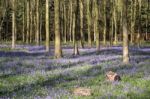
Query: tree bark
{"type": "Point", "coordinates": [89, 23]}
{"type": "Point", "coordinates": [37, 23]}
{"type": "Point", "coordinates": [31, 20]}
{"type": "Point", "coordinates": [65, 23]}
{"type": "Point", "coordinates": [58, 50]}
{"type": "Point", "coordinates": [115, 23]}
{"type": "Point", "coordinates": [125, 34]}
{"type": "Point", "coordinates": [47, 27]}
{"type": "Point", "coordinates": [96, 32]}
{"type": "Point", "coordinates": [13, 25]}
{"type": "Point", "coordinates": [70, 27]}
{"type": "Point", "coordinates": [28, 21]}
{"type": "Point", "coordinates": [104, 31]}
{"type": "Point", "coordinates": [76, 27]}
{"type": "Point", "coordinates": [81, 24]}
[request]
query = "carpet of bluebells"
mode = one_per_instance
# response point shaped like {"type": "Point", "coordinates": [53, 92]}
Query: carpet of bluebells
{"type": "Point", "coordinates": [27, 72]}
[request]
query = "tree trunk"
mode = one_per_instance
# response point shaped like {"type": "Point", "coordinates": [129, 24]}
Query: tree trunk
{"type": "Point", "coordinates": [31, 20]}
{"type": "Point", "coordinates": [40, 30]}
{"type": "Point", "coordinates": [58, 50]}
{"type": "Point", "coordinates": [76, 26]}
{"type": "Point", "coordinates": [47, 27]}
{"type": "Point", "coordinates": [81, 24]}
{"type": "Point", "coordinates": [96, 32]}
{"type": "Point", "coordinates": [37, 23]}
{"type": "Point", "coordinates": [73, 27]}
{"type": "Point", "coordinates": [115, 23]}
{"type": "Point", "coordinates": [112, 24]}
{"type": "Point", "coordinates": [23, 31]}
{"type": "Point", "coordinates": [104, 31]}
{"type": "Point", "coordinates": [65, 23]}
{"type": "Point", "coordinates": [147, 19]}
{"type": "Point", "coordinates": [13, 24]}
{"type": "Point", "coordinates": [125, 34]}
{"type": "Point", "coordinates": [139, 24]}
{"type": "Point", "coordinates": [132, 27]}
{"type": "Point", "coordinates": [89, 23]}
{"type": "Point", "coordinates": [28, 21]}
{"type": "Point", "coordinates": [75, 42]}
{"type": "Point", "coordinates": [70, 27]}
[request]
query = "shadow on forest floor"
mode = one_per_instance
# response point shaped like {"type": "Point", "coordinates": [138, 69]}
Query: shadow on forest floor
{"type": "Point", "coordinates": [79, 71]}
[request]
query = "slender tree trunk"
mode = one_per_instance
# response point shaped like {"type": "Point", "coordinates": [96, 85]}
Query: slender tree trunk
{"type": "Point", "coordinates": [13, 25]}
{"type": "Point", "coordinates": [96, 32]}
{"type": "Point", "coordinates": [133, 20]}
{"type": "Point", "coordinates": [132, 24]}
{"type": "Point", "coordinates": [3, 16]}
{"type": "Point", "coordinates": [147, 19]}
{"type": "Point", "coordinates": [70, 27]}
{"type": "Point", "coordinates": [104, 31]}
{"type": "Point", "coordinates": [65, 23]}
{"type": "Point", "coordinates": [73, 28]}
{"type": "Point", "coordinates": [81, 24]}
{"type": "Point", "coordinates": [23, 31]}
{"type": "Point", "coordinates": [76, 49]}
{"type": "Point", "coordinates": [41, 23]}
{"type": "Point", "coordinates": [31, 21]}
{"type": "Point", "coordinates": [28, 21]}
{"type": "Point", "coordinates": [75, 42]}
{"type": "Point", "coordinates": [76, 27]}
{"type": "Point", "coordinates": [112, 31]}
{"type": "Point", "coordinates": [125, 34]}
{"type": "Point", "coordinates": [112, 23]}
{"type": "Point", "coordinates": [47, 27]}
{"type": "Point", "coordinates": [37, 23]}
{"type": "Point", "coordinates": [89, 23]}
{"type": "Point", "coordinates": [58, 50]}
{"type": "Point", "coordinates": [139, 24]}
{"type": "Point", "coordinates": [115, 23]}
{"type": "Point", "coordinates": [121, 24]}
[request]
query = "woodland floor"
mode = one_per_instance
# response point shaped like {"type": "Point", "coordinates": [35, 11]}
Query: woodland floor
{"type": "Point", "coordinates": [28, 73]}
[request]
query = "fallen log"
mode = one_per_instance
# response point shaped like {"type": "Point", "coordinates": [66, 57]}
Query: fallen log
{"type": "Point", "coordinates": [112, 76]}
{"type": "Point", "coordinates": [82, 91]}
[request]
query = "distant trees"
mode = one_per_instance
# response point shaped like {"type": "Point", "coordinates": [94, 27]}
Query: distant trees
{"type": "Point", "coordinates": [81, 22]}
